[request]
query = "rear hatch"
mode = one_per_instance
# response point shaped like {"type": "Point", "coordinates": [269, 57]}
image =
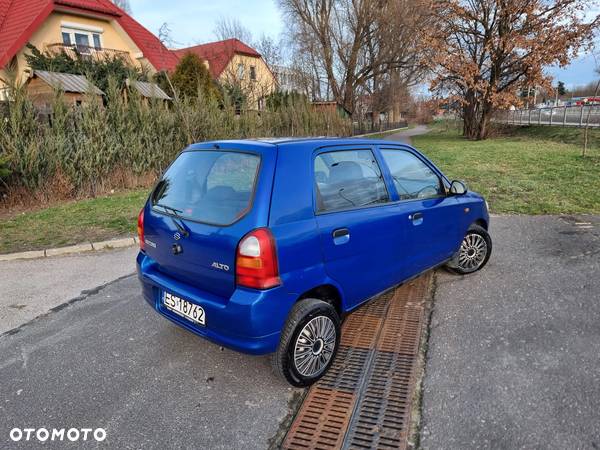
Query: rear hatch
{"type": "Point", "coordinates": [207, 200]}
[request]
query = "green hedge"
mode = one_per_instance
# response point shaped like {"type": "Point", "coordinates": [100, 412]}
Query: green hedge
{"type": "Point", "coordinates": [82, 151]}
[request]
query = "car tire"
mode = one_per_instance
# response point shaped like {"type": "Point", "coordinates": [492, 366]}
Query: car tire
{"type": "Point", "coordinates": [308, 344]}
{"type": "Point", "coordinates": [474, 253]}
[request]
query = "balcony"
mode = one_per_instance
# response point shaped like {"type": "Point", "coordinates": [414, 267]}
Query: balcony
{"type": "Point", "coordinates": [84, 51]}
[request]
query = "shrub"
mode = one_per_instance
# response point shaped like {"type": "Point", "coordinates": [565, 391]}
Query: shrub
{"type": "Point", "coordinates": [98, 72]}
{"type": "Point", "coordinates": [192, 79]}
{"type": "Point", "coordinates": [87, 150]}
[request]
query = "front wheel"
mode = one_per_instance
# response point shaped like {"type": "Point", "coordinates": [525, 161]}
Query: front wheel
{"type": "Point", "coordinates": [309, 342]}
{"type": "Point", "coordinates": [474, 253]}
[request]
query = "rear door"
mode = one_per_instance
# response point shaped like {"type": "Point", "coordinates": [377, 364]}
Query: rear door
{"type": "Point", "coordinates": [204, 204]}
{"type": "Point", "coordinates": [360, 236]}
{"type": "Point", "coordinates": [430, 217]}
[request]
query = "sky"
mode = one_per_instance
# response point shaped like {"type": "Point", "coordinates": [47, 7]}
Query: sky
{"type": "Point", "coordinates": [193, 22]}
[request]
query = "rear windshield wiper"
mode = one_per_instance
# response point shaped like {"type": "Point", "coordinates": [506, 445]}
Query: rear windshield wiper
{"type": "Point", "coordinates": [177, 224]}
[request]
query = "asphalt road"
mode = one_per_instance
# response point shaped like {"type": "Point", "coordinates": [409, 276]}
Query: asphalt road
{"type": "Point", "coordinates": [513, 361]}
{"type": "Point", "coordinates": [31, 288]}
{"type": "Point", "coordinates": [514, 350]}
{"type": "Point", "coordinates": [109, 361]}
{"type": "Point", "coordinates": [406, 135]}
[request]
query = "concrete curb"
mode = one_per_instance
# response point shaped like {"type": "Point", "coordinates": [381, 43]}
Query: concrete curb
{"type": "Point", "coordinates": [72, 249]}
{"type": "Point", "coordinates": [381, 132]}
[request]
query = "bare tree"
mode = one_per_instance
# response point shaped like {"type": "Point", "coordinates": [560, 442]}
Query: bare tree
{"type": "Point", "coordinates": [269, 49]}
{"type": "Point", "coordinates": [124, 5]}
{"type": "Point", "coordinates": [583, 90]}
{"type": "Point", "coordinates": [165, 35]}
{"type": "Point", "coordinates": [357, 43]}
{"type": "Point", "coordinates": [227, 28]}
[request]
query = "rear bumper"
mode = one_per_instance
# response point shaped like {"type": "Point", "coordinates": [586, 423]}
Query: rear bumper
{"type": "Point", "coordinates": [249, 321]}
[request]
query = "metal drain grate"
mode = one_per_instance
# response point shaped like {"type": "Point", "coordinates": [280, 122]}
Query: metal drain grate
{"type": "Point", "coordinates": [364, 400]}
{"type": "Point", "coordinates": [323, 419]}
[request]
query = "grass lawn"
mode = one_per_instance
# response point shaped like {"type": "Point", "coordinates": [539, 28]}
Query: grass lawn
{"type": "Point", "coordinates": [527, 170]}
{"type": "Point", "coordinates": [533, 170]}
{"type": "Point", "coordinates": [72, 222]}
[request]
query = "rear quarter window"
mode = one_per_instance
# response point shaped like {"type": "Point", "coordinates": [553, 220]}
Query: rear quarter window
{"type": "Point", "coordinates": [215, 187]}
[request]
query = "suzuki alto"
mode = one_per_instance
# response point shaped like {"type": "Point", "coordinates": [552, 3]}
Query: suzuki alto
{"type": "Point", "coordinates": [263, 246]}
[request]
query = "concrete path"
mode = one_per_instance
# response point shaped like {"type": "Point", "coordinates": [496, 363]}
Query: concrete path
{"type": "Point", "coordinates": [514, 350]}
{"type": "Point", "coordinates": [30, 288]}
{"type": "Point", "coordinates": [406, 135]}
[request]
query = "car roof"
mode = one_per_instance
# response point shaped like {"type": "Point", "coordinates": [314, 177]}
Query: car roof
{"type": "Point", "coordinates": [315, 142]}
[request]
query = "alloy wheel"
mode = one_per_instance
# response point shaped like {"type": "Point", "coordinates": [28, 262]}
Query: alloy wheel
{"type": "Point", "coordinates": [472, 253]}
{"type": "Point", "coordinates": [315, 346]}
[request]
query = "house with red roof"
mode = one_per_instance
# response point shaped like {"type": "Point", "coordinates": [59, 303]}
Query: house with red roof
{"type": "Point", "coordinates": [233, 63]}
{"type": "Point", "coordinates": [89, 27]}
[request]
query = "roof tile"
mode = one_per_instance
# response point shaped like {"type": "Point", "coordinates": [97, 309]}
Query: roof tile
{"type": "Point", "coordinates": [19, 19]}
{"type": "Point", "coordinates": [218, 54]}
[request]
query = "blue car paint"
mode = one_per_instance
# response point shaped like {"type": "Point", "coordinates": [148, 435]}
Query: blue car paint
{"type": "Point", "coordinates": [385, 245]}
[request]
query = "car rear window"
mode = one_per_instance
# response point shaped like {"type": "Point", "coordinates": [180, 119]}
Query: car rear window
{"type": "Point", "coordinates": [213, 187]}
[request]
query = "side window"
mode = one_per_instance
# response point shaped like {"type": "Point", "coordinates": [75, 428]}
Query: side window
{"type": "Point", "coordinates": [348, 179]}
{"type": "Point", "coordinates": [412, 177]}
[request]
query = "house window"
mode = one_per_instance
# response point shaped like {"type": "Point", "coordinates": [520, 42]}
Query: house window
{"type": "Point", "coordinates": [240, 71]}
{"type": "Point", "coordinates": [253, 73]}
{"type": "Point", "coordinates": [82, 40]}
{"type": "Point", "coordinates": [97, 44]}
{"type": "Point", "coordinates": [82, 36]}
{"type": "Point", "coordinates": [66, 37]}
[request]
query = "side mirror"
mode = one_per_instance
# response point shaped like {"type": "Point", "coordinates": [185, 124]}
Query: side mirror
{"type": "Point", "coordinates": [458, 188]}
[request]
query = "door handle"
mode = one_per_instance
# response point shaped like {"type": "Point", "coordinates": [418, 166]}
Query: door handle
{"type": "Point", "coordinates": [416, 218]}
{"type": "Point", "coordinates": [341, 232]}
{"type": "Point", "coordinates": [341, 236]}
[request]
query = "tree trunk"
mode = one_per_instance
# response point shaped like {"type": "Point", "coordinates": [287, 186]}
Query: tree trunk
{"type": "Point", "coordinates": [470, 128]}
{"type": "Point", "coordinates": [476, 118]}
{"type": "Point", "coordinates": [484, 122]}
{"type": "Point", "coordinates": [470, 116]}
{"type": "Point", "coordinates": [348, 100]}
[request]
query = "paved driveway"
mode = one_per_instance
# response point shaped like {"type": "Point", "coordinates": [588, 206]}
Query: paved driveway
{"type": "Point", "coordinates": [31, 288]}
{"type": "Point", "coordinates": [514, 352]}
{"type": "Point", "coordinates": [110, 361]}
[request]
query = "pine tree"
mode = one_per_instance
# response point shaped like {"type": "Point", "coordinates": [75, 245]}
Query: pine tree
{"type": "Point", "coordinates": [191, 77]}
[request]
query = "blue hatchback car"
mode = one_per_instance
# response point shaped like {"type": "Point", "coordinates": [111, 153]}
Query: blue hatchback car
{"type": "Point", "coordinates": [263, 246]}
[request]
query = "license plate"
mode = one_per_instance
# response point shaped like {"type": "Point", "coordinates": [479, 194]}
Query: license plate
{"type": "Point", "coordinates": [184, 308]}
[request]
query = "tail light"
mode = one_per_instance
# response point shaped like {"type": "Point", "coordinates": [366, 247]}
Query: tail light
{"type": "Point", "coordinates": [140, 229]}
{"type": "Point", "coordinates": [256, 260]}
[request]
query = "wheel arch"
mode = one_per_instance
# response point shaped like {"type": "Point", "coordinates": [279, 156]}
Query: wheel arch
{"type": "Point", "coordinates": [328, 293]}
{"type": "Point", "coordinates": [481, 222]}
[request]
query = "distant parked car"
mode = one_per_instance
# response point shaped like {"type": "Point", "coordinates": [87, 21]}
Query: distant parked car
{"type": "Point", "coordinates": [264, 246]}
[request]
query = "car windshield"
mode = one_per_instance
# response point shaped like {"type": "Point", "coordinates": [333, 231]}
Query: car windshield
{"type": "Point", "coordinates": [213, 187]}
